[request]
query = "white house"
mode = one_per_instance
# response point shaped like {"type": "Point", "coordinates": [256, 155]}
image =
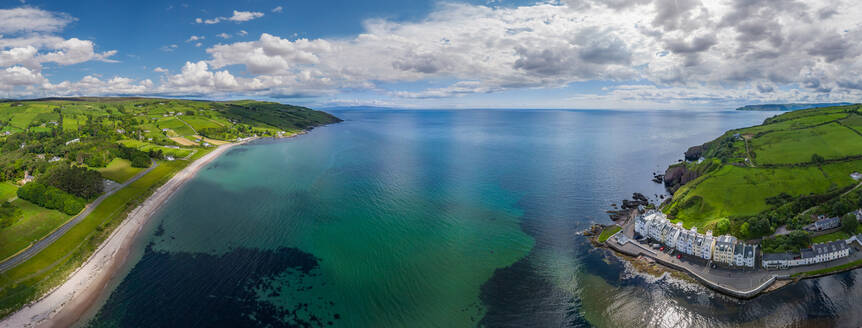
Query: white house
{"type": "Point", "coordinates": [748, 255]}
{"type": "Point", "coordinates": [707, 247]}
{"type": "Point", "coordinates": [671, 236]}
{"type": "Point", "coordinates": [739, 254]}
{"type": "Point", "coordinates": [830, 251]}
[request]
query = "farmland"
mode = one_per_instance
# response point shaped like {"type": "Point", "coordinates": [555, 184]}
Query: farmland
{"type": "Point", "coordinates": [64, 149]}
{"type": "Point", "coordinates": [767, 174]}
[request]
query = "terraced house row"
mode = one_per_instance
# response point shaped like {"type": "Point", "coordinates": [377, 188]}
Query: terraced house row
{"type": "Point", "coordinates": [723, 249]}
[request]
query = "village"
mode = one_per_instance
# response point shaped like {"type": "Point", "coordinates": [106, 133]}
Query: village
{"type": "Point", "coordinates": [727, 264]}
{"type": "Point", "coordinates": [728, 251]}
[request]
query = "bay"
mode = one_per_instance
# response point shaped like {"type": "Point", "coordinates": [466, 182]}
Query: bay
{"type": "Point", "coordinates": [430, 218]}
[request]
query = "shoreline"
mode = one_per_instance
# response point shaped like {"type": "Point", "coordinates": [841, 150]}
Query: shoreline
{"type": "Point", "coordinates": [749, 284]}
{"type": "Point", "coordinates": [67, 303]}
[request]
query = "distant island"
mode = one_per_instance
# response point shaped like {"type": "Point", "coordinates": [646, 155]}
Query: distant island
{"type": "Point", "coordinates": [758, 207]}
{"type": "Point", "coordinates": [80, 176]}
{"type": "Point", "coordinates": [789, 107]}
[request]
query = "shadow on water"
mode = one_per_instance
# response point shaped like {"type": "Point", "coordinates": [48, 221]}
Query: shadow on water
{"type": "Point", "coordinates": [217, 291]}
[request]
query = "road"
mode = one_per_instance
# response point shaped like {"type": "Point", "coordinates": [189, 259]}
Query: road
{"type": "Point", "coordinates": [43, 243]}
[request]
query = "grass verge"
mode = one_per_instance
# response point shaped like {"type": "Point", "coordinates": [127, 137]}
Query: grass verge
{"type": "Point", "coordinates": [836, 268]}
{"type": "Point", "coordinates": [608, 232]}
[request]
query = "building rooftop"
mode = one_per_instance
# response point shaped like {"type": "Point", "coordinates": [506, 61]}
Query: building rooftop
{"type": "Point", "coordinates": [829, 247]}
{"type": "Point", "coordinates": [778, 256]}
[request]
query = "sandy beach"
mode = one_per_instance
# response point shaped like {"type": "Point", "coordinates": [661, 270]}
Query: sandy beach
{"type": "Point", "coordinates": [66, 304]}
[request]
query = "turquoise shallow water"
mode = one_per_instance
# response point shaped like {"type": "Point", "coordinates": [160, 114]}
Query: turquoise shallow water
{"type": "Point", "coordinates": [434, 218]}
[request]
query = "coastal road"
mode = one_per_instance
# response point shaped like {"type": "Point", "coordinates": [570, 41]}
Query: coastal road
{"type": "Point", "coordinates": [40, 245]}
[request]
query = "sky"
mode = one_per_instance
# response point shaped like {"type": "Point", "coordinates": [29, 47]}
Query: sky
{"type": "Point", "coordinates": [620, 54]}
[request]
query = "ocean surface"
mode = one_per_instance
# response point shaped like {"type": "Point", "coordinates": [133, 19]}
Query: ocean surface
{"type": "Point", "coordinates": [438, 218]}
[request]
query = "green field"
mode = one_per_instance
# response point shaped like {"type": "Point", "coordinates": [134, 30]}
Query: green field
{"type": "Point", "coordinates": [120, 170]}
{"type": "Point", "coordinates": [798, 123]}
{"type": "Point", "coordinates": [200, 123]}
{"type": "Point", "coordinates": [35, 223]}
{"type": "Point", "coordinates": [782, 150]}
{"type": "Point", "coordinates": [735, 191]}
{"type": "Point", "coordinates": [175, 124]}
{"type": "Point", "coordinates": [831, 141]}
{"type": "Point", "coordinates": [838, 235]}
{"type": "Point", "coordinates": [145, 146]}
{"type": "Point", "coordinates": [7, 190]}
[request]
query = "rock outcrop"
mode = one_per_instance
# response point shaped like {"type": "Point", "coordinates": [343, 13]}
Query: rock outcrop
{"type": "Point", "coordinates": [694, 153]}
{"type": "Point", "coordinates": [678, 175]}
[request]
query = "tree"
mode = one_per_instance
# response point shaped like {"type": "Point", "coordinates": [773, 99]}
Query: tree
{"type": "Point", "coordinates": [816, 158]}
{"type": "Point", "coordinates": [722, 226]}
{"type": "Point", "coordinates": [849, 223]}
{"type": "Point", "coordinates": [744, 230]}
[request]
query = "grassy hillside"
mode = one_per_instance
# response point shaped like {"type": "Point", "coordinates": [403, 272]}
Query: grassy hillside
{"type": "Point", "coordinates": [70, 143]}
{"type": "Point", "coordinates": [788, 107]}
{"type": "Point", "coordinates": [770, 173]}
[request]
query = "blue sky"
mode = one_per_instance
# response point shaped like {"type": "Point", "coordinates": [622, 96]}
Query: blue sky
{"type": "Point", "coordinates": [673, 54]}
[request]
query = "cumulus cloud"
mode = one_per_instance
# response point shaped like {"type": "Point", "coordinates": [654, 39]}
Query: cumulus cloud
{"type": "Point", "coordinates": [277, 9]}
{"type": "Point", "coordinates": [195, 38]}
{"type": "Point", "coordinates": [682, 51]}
{"type": "Point", "coordinates": [27, 19]}
{"type": "Point", "coordinates": [238, 17]}
{"type": "Point", "coordinates": [30, 40]}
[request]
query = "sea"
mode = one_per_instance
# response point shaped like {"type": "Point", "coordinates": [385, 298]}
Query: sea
{"type": "Point", "coordinates": [438, 218]}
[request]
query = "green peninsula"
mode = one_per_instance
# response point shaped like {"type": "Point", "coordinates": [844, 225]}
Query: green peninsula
{"type": "Point", "coordinates": [751, 181]}
{"type": "Point", "coordinates": [789, 107]}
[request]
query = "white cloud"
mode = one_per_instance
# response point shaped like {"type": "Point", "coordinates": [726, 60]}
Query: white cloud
{"type": "Point", "coordinates": [30, 41]}
{"type": "Point", "coordinates": [242, 33]}
{"type": "Point", "coordinates": [223, 35]}
{"type": "Point", "coordinates": [15, 76]}
{"type": "Point", "coordinates": [696, 44]}
{"type": "Point", "coordinates": [198, 44]}
{"type": "Point", "coordinates": [238, 17]}
{"type": "Point", "coordinates": [244, 16]}
{"type": "Point", "coordinates": [277, 9]}
{"type": "Point", "coordinates": [195, 38]}
{"type": "Point", "coordinates": [169, 48]}
{"type": "Point", "coordinates": [160, 70]}
{"type": "Point", "coordinates": [678, 51]}
{"type": "Point", "coordinates": [27, 19]}
{"type": "Point", "coordinates": [74, 51]}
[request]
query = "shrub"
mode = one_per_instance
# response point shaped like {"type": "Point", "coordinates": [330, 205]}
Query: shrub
{"type": "Point", "coordinates": [849, 223]}
{"type": "Point", "coordinates": [8, 214]}
{"type": "Point", "coordinates": [722, 226]}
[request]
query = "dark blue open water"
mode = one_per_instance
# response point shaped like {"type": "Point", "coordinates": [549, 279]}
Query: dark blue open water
{"type": "Point", "coordinates": [400, 218]}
